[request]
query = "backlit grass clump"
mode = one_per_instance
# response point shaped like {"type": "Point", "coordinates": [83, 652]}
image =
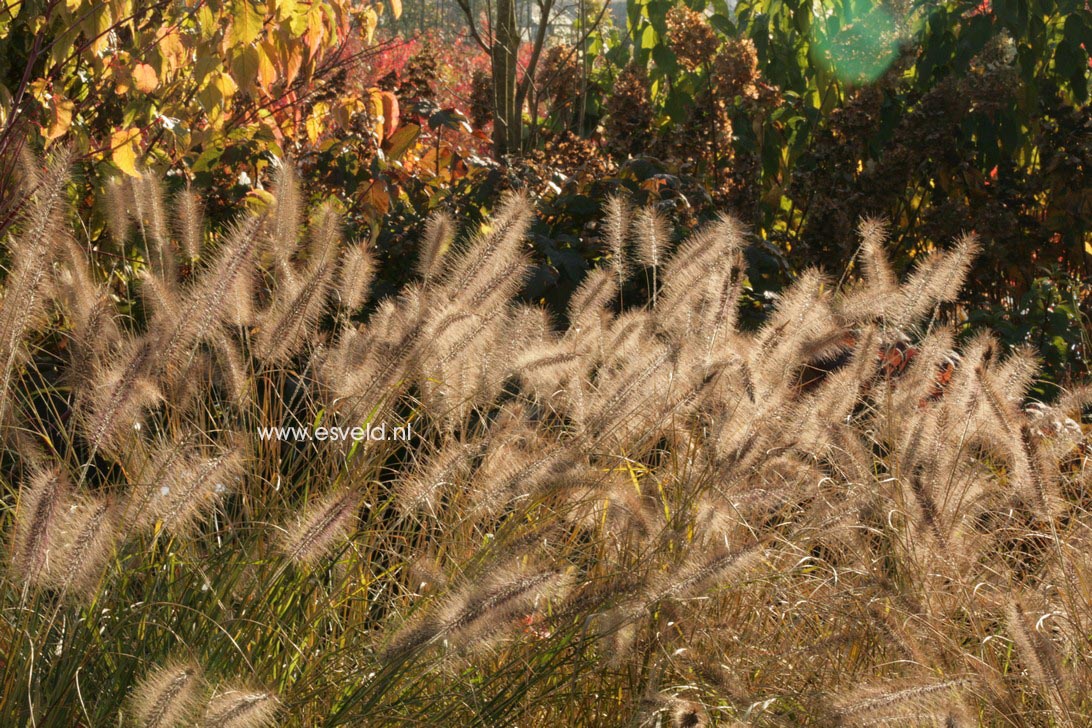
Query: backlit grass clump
{"type": "Point", "coordinates": [642, 515]}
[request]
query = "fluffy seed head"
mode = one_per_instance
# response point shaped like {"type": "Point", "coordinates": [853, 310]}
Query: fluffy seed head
{"type": "Point", "coordinates": [322, 526]}
{"type": "Point", "coordinates": [242, 707]}
{"type": "Point", "coordinates": [38, 520]}
{"type": "Point", "coordinates": [168, 697]}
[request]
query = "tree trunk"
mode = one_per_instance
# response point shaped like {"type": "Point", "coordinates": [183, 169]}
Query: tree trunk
{"type": "Point", "coordinates": [507, 116]}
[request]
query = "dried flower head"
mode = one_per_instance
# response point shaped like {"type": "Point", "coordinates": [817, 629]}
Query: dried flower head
{"type": "Point", "coordinates": [628, 125]}
{"type": "Point", "coordinates": [559, 74]}
{"type": "Point", "coordinates": [735, 70]}
{"type": "Point", "coordinates": [90, 532]}
{"type": "Point", "coordinates": [690, 37]}
{"type": "Point", "coordinates": [481, 99]}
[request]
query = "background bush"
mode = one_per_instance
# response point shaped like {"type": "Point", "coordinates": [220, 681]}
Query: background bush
{"type": "Point", "coordinates": [941, 117]}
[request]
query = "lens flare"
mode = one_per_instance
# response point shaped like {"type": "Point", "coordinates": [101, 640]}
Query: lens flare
{"type": "Point", "coordinates": [857, 50]}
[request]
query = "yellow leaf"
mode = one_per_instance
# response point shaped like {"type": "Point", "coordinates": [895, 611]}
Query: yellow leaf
{"type": "Point", "coordinates": [95, 26]}
{"type": "Point", "coordinates": [285, 9]}
{"type": "Point", "coordinates": [123, 81]}
{"type": "Point", "coordinates": [258, 201]}
{"type": "Point", "coordinates": [8, 13]}
{"type": "Point", "coordinates": [396, 8]}
{"type": "Point", "coordinates": [172, 53]}
{"type": "Point", "coordinates": [246, 21]}
{"type": "Point", "coordinates": [314, 126]}
{"type": "Point", "coordinates": [206, 21]}
{"type": "Point", "coordinates": [267, 72]}
{"type": "Point", "coordinates": [121, 8]}
{"type": "Point", "coordinates": [63, 46]}
{"type": "Point", "coordinates": [213, 97]}
{"type": "Point", "coordinates": [211, 100]}
{"type": "Point", "coordinates": [316, 31]}
{"type": "Point", "coordinates": [339, 115]}
{"type": "Point", "coordinates": [60, 117]}
{"type": "Point", "coordinates": [297, 24]}
{"type": "Point", "coordinates": [245, 66]}
{"type": "Point", "coordinates": [145, 79]}
{"type": "Point", "coordinates": [375, 103]}
{"type": "Point", "coordinates": [5, 104]}
{"type": "Point", "coordinates": [353, 104]}
{"type": "Point", "coordinates": [123, 145]}
{"type": "Point", "coordinates": [369, 19]}
{"type": "Point", "coordinates": [38, 89]}
{"type": "Point", "coordinates": [205, 65]}
{"type": "Point", "coordinates": [227, 85]}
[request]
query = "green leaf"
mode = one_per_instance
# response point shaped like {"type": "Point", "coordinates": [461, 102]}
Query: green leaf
{"type": "Point", "coordinates": [678, 105]}
{"type": "Point", "coordinates": [449, 118]}
{"type": "Point", "coordinates": [1067, 59]}
{"type": "Point", "coordinates": [723, 24]}
{"type": "Point", "coordinates": [972, 39]}
{"type": "Point", "coordinates": [801, 19]}
{"type": "Point", "coordinates": [648, 38]}
{"type": "Point", "coordinates": [402, 140]}
{"type": "Point", "coordinates": [666, 60]}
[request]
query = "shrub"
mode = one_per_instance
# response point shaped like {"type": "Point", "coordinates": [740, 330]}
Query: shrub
{"type": "Point", "coordinates": [947, 118]}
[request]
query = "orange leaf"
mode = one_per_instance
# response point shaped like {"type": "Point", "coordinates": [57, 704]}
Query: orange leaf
{"type": "Point", "coordinates": [390, 113]}
{"type": "Point", "coordinates": [377, 197]}
{"type": "Point", "coordinates": [316, 31]}
{"type": "Point", "coordinates": [145, 79]}
{"type": "Point", "coordinates": [293, 60]}
{"type": "Point", "coordinates": [60, 117]}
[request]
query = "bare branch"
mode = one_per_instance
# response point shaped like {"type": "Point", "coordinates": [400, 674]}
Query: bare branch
{"type": "Point", "coordinates": [532, 64]}
{"type": "Point", "coordinates": [545, 6]}
{"type": "Point", "coordinates": [464, 5]}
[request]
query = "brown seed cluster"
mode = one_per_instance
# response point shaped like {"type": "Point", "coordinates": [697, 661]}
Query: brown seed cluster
{"type": "Point", "coordinates": [629, 113]}
{"type": "Point", "coordinates": [690, 37]}
{"type": "Point", "coordinates": [481, 99]}
{"type": "Point", "coordinates": [735, 69]}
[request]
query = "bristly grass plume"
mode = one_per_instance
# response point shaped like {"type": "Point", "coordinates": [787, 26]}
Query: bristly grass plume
{"type": "Point", "coordinates": [641, 513]}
